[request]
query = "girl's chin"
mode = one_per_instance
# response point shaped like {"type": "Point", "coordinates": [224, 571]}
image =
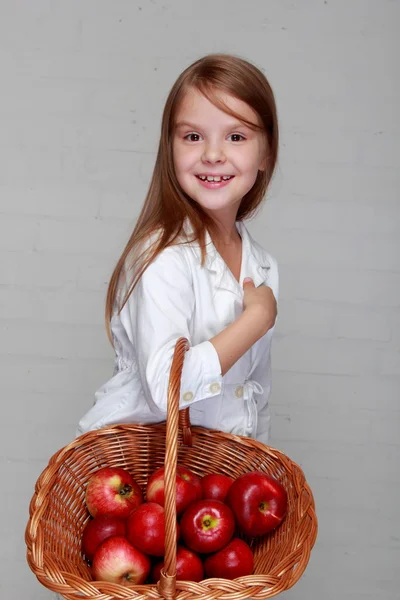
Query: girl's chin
{"type": "Point", "coordinates": [229, 208]}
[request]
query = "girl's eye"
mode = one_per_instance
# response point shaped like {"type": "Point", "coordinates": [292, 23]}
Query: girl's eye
{"type": "Point", "coordinates": [236, 136]}
{"type": "Point", "coordinates": [190, 137]}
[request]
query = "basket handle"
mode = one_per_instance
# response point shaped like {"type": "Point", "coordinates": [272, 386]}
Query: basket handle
{"type": "Point", "coordinates": [167, 583]}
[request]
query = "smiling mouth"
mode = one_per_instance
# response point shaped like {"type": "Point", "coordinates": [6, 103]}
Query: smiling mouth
{"type": "Point", "coordinates": [215, 179]}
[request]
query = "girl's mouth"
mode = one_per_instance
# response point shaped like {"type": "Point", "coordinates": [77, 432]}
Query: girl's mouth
{"type": "Point", "coordinates": [214, 183]}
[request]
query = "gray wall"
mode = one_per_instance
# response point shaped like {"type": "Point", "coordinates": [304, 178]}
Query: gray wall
{"type": "Point", "coordinates": [83, 85]}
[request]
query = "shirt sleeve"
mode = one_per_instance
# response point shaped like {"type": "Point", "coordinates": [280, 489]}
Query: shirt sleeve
{"type": "Point", "coordinates": [158, 312]}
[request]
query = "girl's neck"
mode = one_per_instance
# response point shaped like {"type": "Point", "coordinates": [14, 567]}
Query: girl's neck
{"type": "Point", "coordinates": [227, 239]}
{"type": "Point", "coordinates": [226, 233]}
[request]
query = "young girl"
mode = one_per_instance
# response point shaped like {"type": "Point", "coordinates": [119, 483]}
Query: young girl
{"type": "Point", "coordinates": [191, 268]}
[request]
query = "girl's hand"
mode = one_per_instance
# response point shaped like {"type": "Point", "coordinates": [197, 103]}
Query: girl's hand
{"type": "Point", "coordinates": [261, 303]}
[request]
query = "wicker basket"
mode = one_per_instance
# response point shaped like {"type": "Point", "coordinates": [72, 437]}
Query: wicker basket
{"type": "Point", "coordinates": [58, 513]}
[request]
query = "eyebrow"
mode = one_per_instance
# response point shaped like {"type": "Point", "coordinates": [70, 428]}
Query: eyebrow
{"type": "Point", "coordinates": [235, 125]}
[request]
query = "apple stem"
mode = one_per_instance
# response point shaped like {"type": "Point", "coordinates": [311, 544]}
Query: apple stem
{"type": "Point", "coordinates": [125, 490]}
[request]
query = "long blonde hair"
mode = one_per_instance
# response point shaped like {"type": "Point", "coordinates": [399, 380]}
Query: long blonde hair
{"type": "Point", "coordinates": [166, 205]}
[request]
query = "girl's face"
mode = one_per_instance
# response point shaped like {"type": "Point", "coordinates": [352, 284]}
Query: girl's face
{"type": "Point", "coordinates": [210, 143]}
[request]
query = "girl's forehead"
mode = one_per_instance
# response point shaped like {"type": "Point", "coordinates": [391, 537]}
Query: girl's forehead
{"type": "Point", "coordinates": [195, 105]}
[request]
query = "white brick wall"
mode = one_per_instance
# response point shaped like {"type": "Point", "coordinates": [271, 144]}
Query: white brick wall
{"type": "Point", "coordinates": [83, 86]}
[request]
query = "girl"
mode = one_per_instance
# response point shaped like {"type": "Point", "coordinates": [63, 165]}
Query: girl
{"type": "Point", "coordinates": [190, 267]}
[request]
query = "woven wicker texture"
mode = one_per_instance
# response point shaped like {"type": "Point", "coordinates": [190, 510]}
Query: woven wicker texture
{"type": "Point", "coordinates": [58, 513]}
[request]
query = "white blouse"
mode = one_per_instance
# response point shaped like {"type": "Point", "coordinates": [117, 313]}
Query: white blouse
{"type": "Point", "coordinates": [177, 297]}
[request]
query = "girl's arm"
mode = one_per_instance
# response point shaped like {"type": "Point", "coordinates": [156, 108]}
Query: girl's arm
{"type": "Point", "coordinates": [159, 311]}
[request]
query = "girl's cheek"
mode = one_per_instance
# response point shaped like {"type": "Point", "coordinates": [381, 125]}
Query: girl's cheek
{"type": "Point", "coordinates": [188, 158]}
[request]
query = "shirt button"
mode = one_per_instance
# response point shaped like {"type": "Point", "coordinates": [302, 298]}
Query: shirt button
{"type": "Point", "coordinates": [188, 396]}
{"type": "Point", "coordinates": [215, 387]}
{"type": "Point", "coordinates": [239, 391]}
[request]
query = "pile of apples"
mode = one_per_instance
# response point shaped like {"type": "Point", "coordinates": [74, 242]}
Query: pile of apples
{"type": "Point", "coordinates": [124, 540]}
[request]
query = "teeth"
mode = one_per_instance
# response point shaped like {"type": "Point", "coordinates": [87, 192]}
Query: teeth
{"type": "Point", "coordinates": [216, 178]}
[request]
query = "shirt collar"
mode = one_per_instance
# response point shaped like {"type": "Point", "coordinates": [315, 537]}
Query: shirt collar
{"type": "Point", "coordinates": [255, 263]}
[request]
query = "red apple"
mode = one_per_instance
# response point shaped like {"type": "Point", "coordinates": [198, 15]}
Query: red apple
{"type": "Point", "coordinates": [99, 529]}
{"type": "Point", "coordinates": [191, 478]}
{"type": "Point", "coordinates": [258, 501]}
{"type": "Point", "coordinates": [117, 561]}
{"type": "Point", "coordinates": [112, 491]}
{"type": "Point", "coordinates": [145, 528]}
{"type": "Point", "coordinates": [188, 488]}
{"type": "Point", "coordinates": [207, 525]}
{"type": "Point", "coordinates": [215, 486]}
{"type": "Point", "coordinates": [189, 566]}
{"type": "Point", "coordinates": [235, 560]}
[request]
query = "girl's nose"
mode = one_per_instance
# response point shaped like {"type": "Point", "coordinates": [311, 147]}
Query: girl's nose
{"type": "Point", "coordinates": [213, 153]}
